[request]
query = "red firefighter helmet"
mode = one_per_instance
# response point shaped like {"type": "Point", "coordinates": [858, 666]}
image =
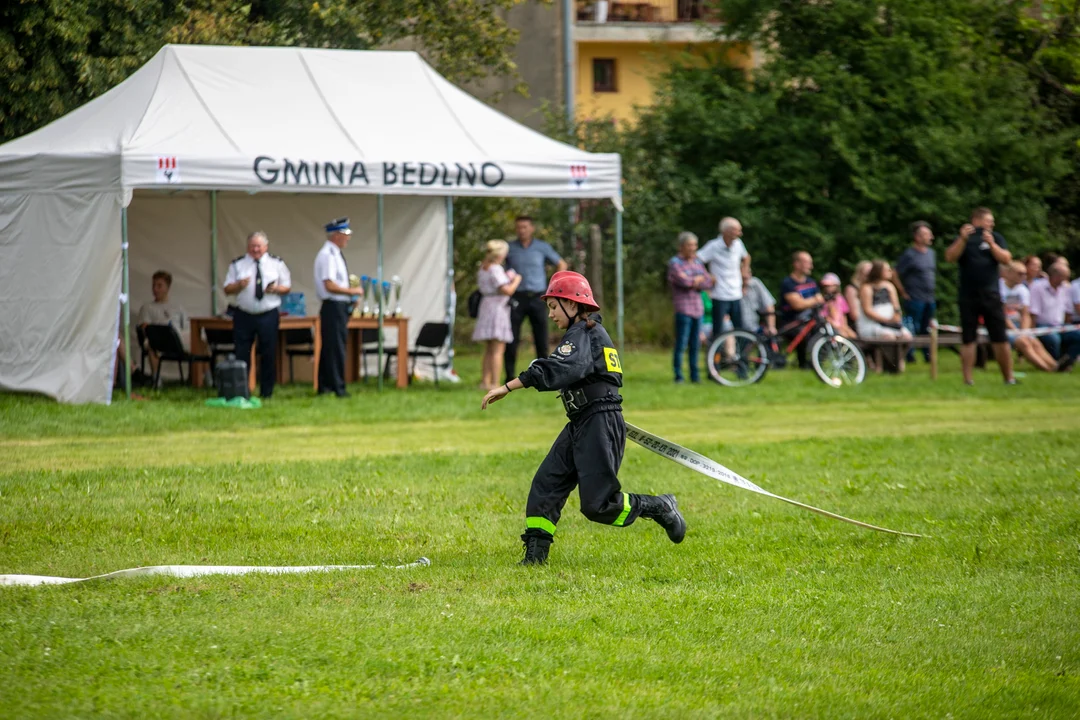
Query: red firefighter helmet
{"type": "Point", "coordinates": [569, 285]}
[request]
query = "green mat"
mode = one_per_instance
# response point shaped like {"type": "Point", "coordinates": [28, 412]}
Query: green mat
{"type": "Point", "coordinates": [236, 402]}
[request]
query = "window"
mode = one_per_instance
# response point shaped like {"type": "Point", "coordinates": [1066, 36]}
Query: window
{"type": "Point", "coordinates": [603, 75]}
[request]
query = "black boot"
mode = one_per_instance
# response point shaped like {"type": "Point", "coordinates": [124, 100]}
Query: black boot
{"type": "Point", "coordinates": [665, 512]}
{"type": "Point", "coordinates": [536, 549]}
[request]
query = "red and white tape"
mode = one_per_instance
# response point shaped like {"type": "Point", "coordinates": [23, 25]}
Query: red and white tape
{"type": "Point", "coordinates": [711, 468]}
{"type": "Point", "coordinates": [190, 571]}
{"type": "Point", "coordinates": [1030, 332]}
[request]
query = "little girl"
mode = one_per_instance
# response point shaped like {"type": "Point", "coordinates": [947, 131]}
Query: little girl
{"type": "Point", "coordinates": [586, 372]}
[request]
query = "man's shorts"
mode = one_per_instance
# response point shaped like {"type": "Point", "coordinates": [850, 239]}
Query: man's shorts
{"type": "Point", "coordinates": [984, 303]}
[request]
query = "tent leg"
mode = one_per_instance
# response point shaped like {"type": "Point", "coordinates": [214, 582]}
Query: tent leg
{"type": "Point", "coordinates": [449, 276]}
{"type": "Point", "coordinates": [378, 288]}
{"type": "Point", "coordinates": [213, 252]}
{"type": "Point", "coordinates": [126, 287]}
{"type": "Point", "coordinates": [619, 277]}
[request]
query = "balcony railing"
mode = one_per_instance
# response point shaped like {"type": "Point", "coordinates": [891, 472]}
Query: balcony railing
{"type": "Point", "coordinates": [662, 11]}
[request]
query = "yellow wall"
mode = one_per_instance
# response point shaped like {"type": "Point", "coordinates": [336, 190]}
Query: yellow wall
{"type": "Point", "coordinates": [637, 65]}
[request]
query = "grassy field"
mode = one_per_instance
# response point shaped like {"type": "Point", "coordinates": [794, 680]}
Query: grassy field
{"type": "Point", "coordinates": [764, 611]}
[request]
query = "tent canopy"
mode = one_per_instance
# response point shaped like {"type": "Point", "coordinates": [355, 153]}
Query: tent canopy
{"type": "Point", "coordinates": [296, 120]}
{"type": "Point", "coordinates": [247, 120]}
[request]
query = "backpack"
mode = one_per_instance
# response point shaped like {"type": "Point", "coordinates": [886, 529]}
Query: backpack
{"type": "Point", "coordinates": [474, 303]}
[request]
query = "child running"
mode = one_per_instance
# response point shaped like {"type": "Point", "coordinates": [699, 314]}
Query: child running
{"type": "Point", "coordinates": [586, 372]}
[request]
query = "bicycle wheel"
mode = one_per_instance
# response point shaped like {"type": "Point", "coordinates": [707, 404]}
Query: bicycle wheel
{"type": "Point", "coordinates": [838, 361]}
{"type": "Point", "coordinates": [737, 358]}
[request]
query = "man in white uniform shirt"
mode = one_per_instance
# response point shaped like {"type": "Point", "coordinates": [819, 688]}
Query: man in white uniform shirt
{"type": "Point", "coordinates": [332, 287]}
{"type": "Point", "coordinates": [727, 260]}
{"type": "Point", "coordinates": [258, 280]}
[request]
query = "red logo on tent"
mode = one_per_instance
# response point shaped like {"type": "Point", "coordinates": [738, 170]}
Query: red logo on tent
{"type": "Point", "coordinates": [579, 174]}
{"type": "Point", "coordinates": [168, 170]}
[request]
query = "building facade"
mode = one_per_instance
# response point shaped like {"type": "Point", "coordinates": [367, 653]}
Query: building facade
{"type": "Point", "coordinates": [622, 48]}
{"type": "Point", "coordinates": [619, 51]}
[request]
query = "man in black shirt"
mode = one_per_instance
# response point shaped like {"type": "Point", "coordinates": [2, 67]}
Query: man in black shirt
{"type": "Point", "coordinates": [978, 250]}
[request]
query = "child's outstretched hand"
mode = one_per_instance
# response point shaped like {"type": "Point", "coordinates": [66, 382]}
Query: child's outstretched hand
{"type": "Point", "coordinates": [495, 394]}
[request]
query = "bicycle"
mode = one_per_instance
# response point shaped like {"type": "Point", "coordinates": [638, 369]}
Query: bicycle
{"type": "Point", "coordinates": [737, 358]}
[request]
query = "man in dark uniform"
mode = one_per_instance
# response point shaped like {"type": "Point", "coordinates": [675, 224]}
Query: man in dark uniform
{"type": "Point", "coordinates": [528, 257]}
{"type": "Point", "coordinates": [332, 287]}
{"type": "Point", "coordinates": [258, 280]}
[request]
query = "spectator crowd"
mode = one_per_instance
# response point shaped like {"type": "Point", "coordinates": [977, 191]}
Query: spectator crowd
{"type": "Point", "coordinates": [714, 290]}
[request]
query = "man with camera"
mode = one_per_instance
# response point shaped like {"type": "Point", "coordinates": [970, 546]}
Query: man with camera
{"type": "Point", "coordinates": [978, 250]}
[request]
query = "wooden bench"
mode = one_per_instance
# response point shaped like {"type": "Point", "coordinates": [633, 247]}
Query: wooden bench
{"type": "Point", "coordinates": [933, 341]}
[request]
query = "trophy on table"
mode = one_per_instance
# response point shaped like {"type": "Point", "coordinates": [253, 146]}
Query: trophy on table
{"type": "Point", "coordinates": [354, 281]}
{"type": "Point", "coordinates": [397, 283]}
{"type": "Point", "coordinates": [384, 298]}
{"type": "Point", "coordinates": [365, 282]}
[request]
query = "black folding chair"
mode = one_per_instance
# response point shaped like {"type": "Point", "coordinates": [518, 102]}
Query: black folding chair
{"type": "Point", "coordinates": [165, 341]}
{"type": "Point", "coordinates": [300, 341]}
{"type": "Point", "coordinates": [369, 345]}
{"type": "Point", "coordinates": [429, 343]}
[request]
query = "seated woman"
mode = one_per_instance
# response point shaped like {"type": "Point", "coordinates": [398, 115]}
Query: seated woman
{"type": "Point", "coordinates": [851, 292]}
{"type": "Point", "coordinates": [1017, 300]}
{"type": "Point", "coordinates": [880, 305]}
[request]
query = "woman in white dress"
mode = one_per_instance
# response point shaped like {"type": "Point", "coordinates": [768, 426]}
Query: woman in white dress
{"type": "Point", "coordinates": [493, 319]}
{"type": "Point", "coordinates": [880, 317]}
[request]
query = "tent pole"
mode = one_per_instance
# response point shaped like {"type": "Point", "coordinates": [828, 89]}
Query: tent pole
{"type": "Point", "coordinates": [128, 354]}
{"type": "Point", "coordinates": [619, 276]}
{"type": "Point", "coordinates": [213, 252]}
{"type": "Point", "coordinates": [450, 273]}
{"type": "Point", "coordinates": [378, 289]}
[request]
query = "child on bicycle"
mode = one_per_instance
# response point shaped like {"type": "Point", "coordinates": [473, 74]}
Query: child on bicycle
{"type": "Point", "coordinates": [586, 372]}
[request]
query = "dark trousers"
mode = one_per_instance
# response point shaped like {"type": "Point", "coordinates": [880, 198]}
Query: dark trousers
{"type": "Point", "coordinates": [587, 455]}
{"type": "Point", "coordinates": [918, 314]}
{"type": "Point", "coordinates": [730, 308]}
{"type": "Point", "coordinates": [334, 319]}
{"type": "Point", "coordinates": [246, 327]}
{"type": "Point", "coordinates": [529, 305]}
{"type": "Point", "coordinates": [687, 337]}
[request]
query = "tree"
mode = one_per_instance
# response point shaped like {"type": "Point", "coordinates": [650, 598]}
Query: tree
{"type": "Point", "coordinates": [57, 54]}
{"type": "Point", "coordinates": [863, 118]}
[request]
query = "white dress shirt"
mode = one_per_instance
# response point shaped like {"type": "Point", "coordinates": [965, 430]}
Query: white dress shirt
{"type": "Point", "coordinates": [725, 265]}
{"type": "Point", "coordinates": [274, 270]}
{"type": "Point", "coordinates": [330, 265]}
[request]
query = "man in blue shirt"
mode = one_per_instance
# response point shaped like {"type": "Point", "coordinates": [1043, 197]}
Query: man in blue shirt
{"type": "Point", "coordinates": [799, 296]}
{"type": "Point", "coordinates": [529, 257]}
{"type": "Point", "coordinates": [915, 278]}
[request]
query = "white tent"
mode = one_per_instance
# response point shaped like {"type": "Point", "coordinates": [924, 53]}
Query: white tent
{"type": "Point", "coordinates": [207, 141]}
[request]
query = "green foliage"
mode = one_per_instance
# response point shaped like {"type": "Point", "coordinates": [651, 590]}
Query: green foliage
{"type": "Point", "coordinates": [1045, 39]}
{"type": "Point", "coordinates": [57, 54]}
{"type": "Point", "coordinates": [863, 118]}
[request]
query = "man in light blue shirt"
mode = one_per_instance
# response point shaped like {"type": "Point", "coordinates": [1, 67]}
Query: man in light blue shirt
{"type": "Point", "coordinates": [529, 258]}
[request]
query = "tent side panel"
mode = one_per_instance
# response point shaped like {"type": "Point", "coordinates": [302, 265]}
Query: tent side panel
{"type": "Point", "coordinates": [60, 266]}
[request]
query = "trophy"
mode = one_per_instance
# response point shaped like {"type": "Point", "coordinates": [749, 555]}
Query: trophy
{"type": "Point", "coordinates": [365, 283]}
{"type": "Point", "coordinates": [384, 298]}
{"type": "Point", "coordinates": [354, 281]}
{"type": "Point", "coordinates": [397, 283]}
